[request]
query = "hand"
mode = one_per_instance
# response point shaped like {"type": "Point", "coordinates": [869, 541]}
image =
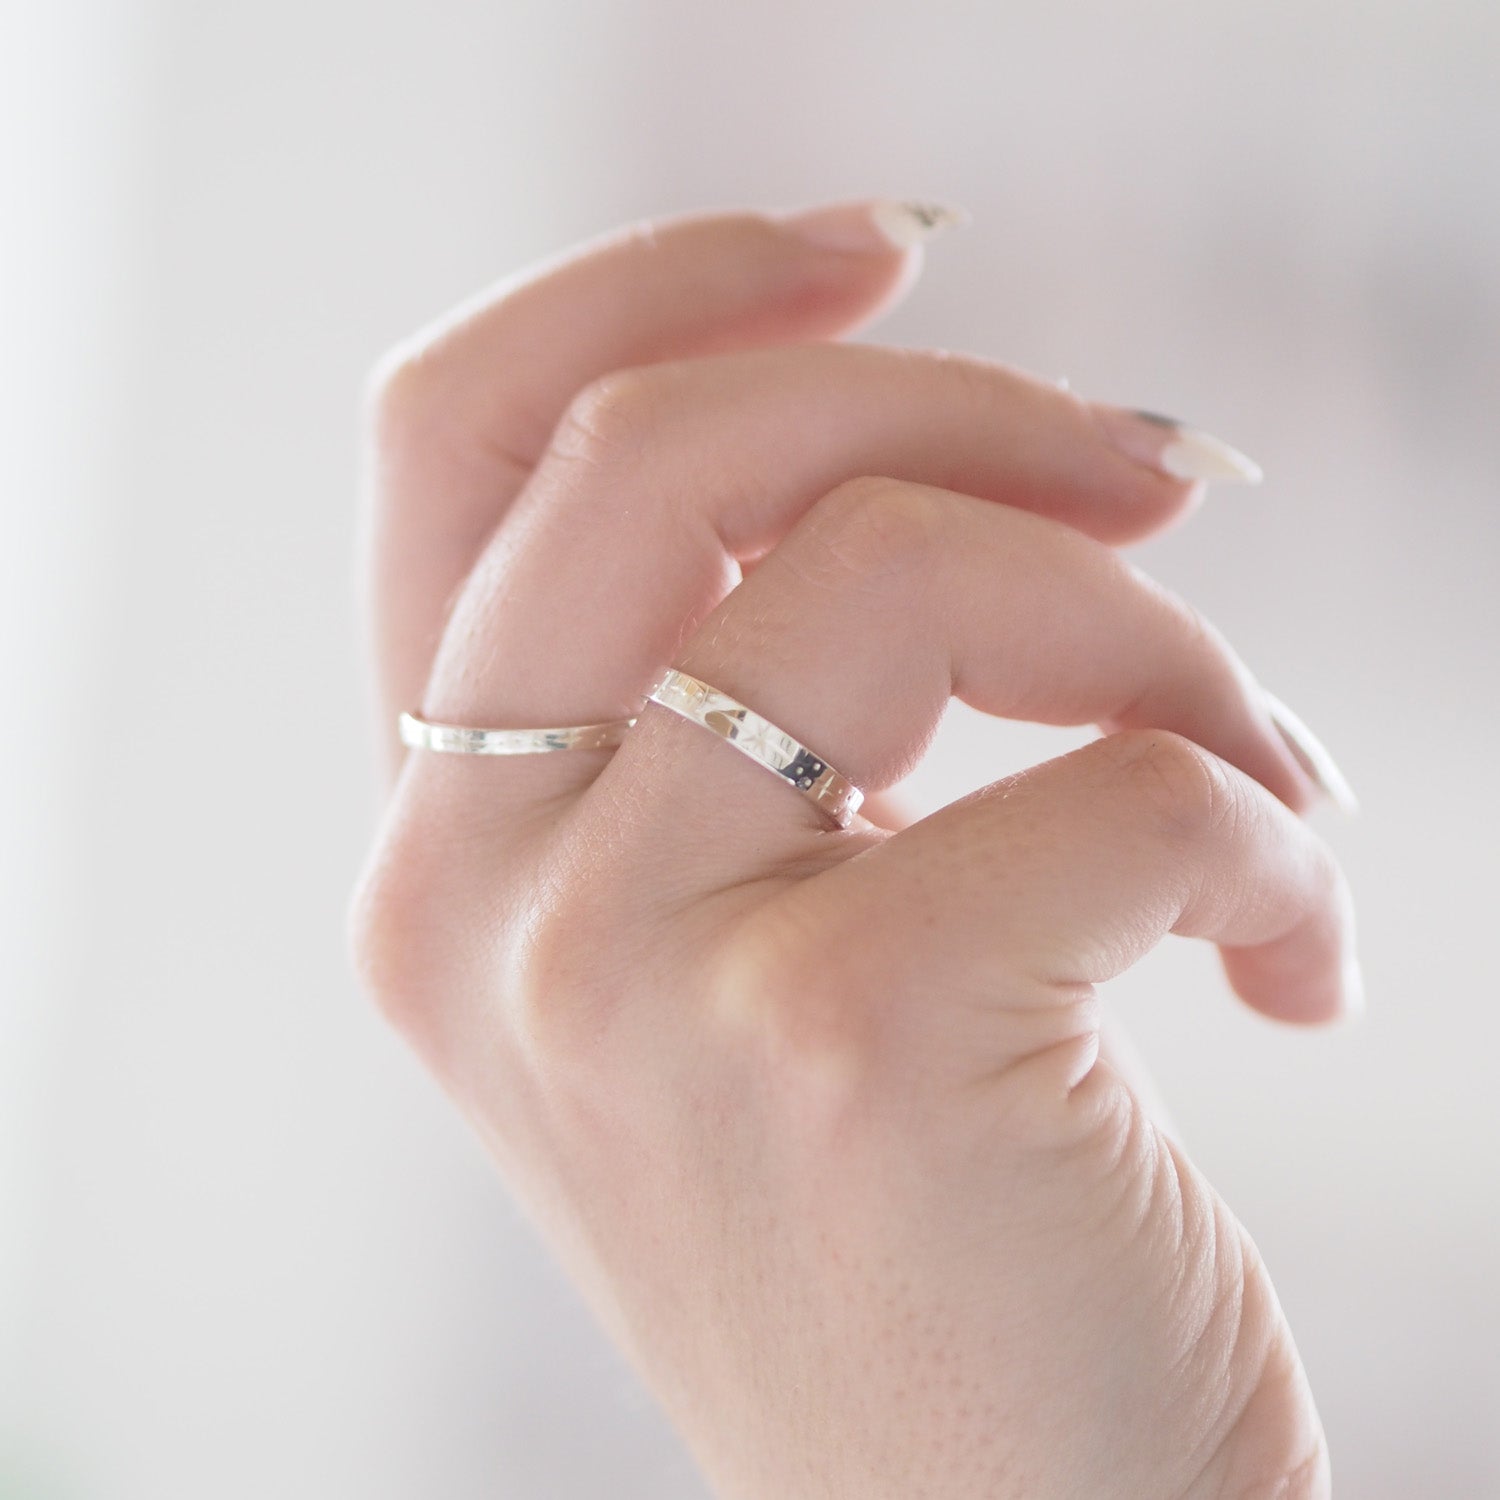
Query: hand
{"type": "Point", "coordinates": [820, 1120]}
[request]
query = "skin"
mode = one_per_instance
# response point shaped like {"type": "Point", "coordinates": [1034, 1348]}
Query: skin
{"type": "Point", "coordinates": [820, 1121]}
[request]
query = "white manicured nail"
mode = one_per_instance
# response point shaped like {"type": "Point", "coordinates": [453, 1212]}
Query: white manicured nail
{"type": "Point", "coordinates": [1173, 449]}
{"type": "Point", "coordinates": [1312, 755]}
{"type": "Point", "coordinates": [878, 225]}
{"type": "Point", "coordinates": [908, 224]}
{"type": "Point", "coordinates": [1199, 455]}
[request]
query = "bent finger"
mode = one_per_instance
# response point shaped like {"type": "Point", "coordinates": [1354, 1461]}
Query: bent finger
{"type": "Point", "coordinates": [888, 599]}
{"type": "Point", "coordinates": [1025, 895]}
{"type": "Point", "coordinates": [676, 473]}
{"type": "Point", "coordinates": [461, 412]}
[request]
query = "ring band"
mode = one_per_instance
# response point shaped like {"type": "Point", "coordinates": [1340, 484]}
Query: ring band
{"type": "Point", "coordinates": [761, 740]}
{"type": "Point", "coordinates": [455, 739]}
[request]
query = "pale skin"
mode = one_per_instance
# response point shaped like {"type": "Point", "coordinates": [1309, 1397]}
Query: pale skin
{"type": "Point", "coordinates": [820, 1121]}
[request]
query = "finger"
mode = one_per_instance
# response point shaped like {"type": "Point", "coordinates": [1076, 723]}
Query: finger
{"type": "Point", "coordinates": [1068, 873]}
{"type": "Point", "coordinates": [883, 602]}
{"type": "Point", "coordinates": [674, 473]}
{"type": "Point", "coordinates": [462, 412]}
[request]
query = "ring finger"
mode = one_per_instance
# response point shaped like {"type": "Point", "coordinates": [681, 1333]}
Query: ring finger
{"type": "Point", "coordinates": [885, 601]}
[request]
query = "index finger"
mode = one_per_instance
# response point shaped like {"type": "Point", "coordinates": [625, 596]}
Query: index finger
{"type": "Point", "coordinates": [462, 412]}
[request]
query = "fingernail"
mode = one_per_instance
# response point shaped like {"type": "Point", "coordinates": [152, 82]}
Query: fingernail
{"type": "Point", "coordinates": [1312, 755]}
{"type": "Point", "coordinates": [1169, 447]}
{"type": "Point", "coordinates": [881, 224]}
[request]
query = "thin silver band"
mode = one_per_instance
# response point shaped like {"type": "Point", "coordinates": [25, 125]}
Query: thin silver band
{"type": "Point", "coordinates": [456, 739]}
{"type": "Point", "coordinates": [761, 740]}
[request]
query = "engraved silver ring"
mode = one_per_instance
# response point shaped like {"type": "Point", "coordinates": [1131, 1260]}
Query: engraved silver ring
{"type": "Point", "coordinates": [456, 739]}
{"type": "Point", "coordinates": [764, 743]}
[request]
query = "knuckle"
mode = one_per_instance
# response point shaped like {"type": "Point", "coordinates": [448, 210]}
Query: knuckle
{"type": "Point", "coordinates": [410, 943]}
{"type": "Point", "coordinates": [589, 1028]}
{"type": "Point", "coordinates": [794, 1004]}
{"type": "Point", "coordinates": [1191, 640]}
{"type": "Point", "coordinates": [578, 958]}
{"type": "Point", "coordinates": [568, 982]}
{"type": "Point", "coordinates": [1187, 792]}
{"type": "Point", "coordinates": [609, 420]}
{"type": "Point", "coordinates": [381, 925]}
{"type": "Point", "coordinates": [985, 391]}
{"type": "Point", "coordinates": [1208, 654]}
{"type": "Point", "coordinates": [876, 532]}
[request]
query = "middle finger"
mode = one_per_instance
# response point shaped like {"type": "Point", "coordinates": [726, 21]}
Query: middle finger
{"type": "Point", "coordinates": [661, 480]}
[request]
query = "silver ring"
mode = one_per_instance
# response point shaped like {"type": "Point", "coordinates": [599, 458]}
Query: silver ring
{"type": "Point", "coordinates": [761, 740]}
{"type": "Point", "coordinates": [455, 739]}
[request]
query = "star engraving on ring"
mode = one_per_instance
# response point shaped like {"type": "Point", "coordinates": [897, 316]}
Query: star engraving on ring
{"type": "Point", "coordinates": [766, 742]}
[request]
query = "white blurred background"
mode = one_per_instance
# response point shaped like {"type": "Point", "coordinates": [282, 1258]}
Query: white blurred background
{"type": "Point", "coordinates": [245, 1248]}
